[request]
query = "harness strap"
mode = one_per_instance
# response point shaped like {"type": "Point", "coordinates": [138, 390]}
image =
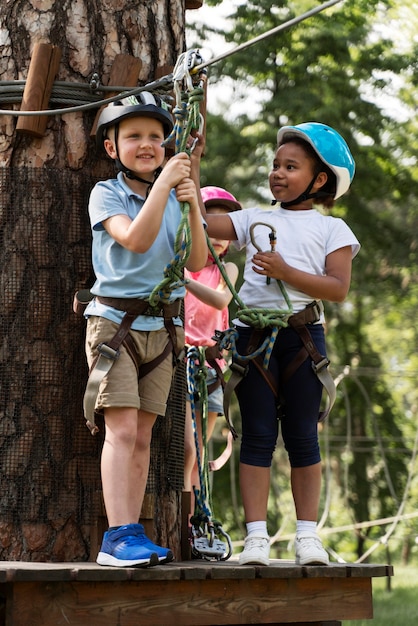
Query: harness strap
{"type": "Point", "coordinates": [109, 352]}
{"type": "Point", "coordinates": [107, 355]}
{"type": "Point", "coordinates": [142, 369]}
{"type": "Point", "coordinates": [238, 372]}
{"type": "Point", "coordinates": [319, 365]}
{"type": "Point", "coordinates": [298, 322]}
{"type": "Point", "coordinates": [216, 464]}
{"type": "Point", "coordinates": [137, 307]}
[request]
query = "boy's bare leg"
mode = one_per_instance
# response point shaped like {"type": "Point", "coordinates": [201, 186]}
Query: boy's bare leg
{"type": "Point", "coordinates": [125, 463]}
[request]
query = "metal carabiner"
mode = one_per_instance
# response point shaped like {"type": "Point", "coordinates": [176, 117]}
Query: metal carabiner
{"type": "Point", "coordinates": [272, 238]}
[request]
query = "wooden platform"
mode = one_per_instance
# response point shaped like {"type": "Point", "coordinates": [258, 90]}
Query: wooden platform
{"type": "Point", "coordinates": [190, 593]}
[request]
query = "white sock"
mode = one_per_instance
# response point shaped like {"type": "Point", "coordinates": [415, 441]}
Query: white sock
{"type": "Point", "coordinates": [305, 526]}
{"type": "Point", "coordinates": [257, 528]}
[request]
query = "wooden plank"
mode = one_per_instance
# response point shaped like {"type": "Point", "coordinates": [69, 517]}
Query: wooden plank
{"type": "Point", "coordinates": [12, 571]}
{"type": "Point", "coordinates": [190, 602]}
{"type": "Point", "coordinates": [43, 68]}
{"type": "Point", "coordinates": [124, 73]}
{"type": "Point", "coordinates": [186, 593]}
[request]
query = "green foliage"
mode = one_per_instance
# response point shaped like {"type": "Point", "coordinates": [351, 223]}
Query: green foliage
{"type": "Point", "coordinates": [350, 67]}
{"type": "Point", "coordinates": [396, 604]}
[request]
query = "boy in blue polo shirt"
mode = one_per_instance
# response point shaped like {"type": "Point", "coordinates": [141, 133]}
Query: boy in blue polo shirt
{"type": "Point", "coordinates": [134, 220]}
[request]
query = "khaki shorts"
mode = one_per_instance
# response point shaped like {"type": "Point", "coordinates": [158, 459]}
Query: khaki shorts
{"type": "Point", "coordinates": [121, 388]}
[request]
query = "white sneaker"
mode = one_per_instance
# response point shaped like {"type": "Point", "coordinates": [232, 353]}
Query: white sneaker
{"type": "Point", "coordinates": [256, 551]}
{"type": "Point", "coordinates": [309, 550]}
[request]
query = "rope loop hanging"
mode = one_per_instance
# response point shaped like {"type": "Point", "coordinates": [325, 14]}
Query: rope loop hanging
{"type": "Point", "coordinates": [187, 118]}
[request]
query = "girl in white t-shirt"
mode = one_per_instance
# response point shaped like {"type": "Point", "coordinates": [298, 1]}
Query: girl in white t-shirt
{"type": "Point", "coordinates": [312, 260]}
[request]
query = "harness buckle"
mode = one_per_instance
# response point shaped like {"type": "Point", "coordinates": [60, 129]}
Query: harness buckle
{"type": "Point", "coordinates": [219, 337]}
{"type": "Point", "coordinates": [108, 352]}
{"type": "Point", "coordinates": [242, 370]}
{"type": "Point", "coordinates": [317, 309]}
{"type": "Point", "coordinates": [180, 357]}
{"type": "Point", "coordinates": [318, 367]}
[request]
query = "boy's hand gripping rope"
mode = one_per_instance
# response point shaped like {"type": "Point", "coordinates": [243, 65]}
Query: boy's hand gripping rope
{"type": "Point", "coordinates": [187, 118]}
{"type": "Point", "coordinates": [205, 541]}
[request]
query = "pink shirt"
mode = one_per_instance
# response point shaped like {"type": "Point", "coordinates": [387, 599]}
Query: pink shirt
{"type": "Point", "coordinates": [201, 320]}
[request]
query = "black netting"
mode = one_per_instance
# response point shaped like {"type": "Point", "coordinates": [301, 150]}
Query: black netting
{"type": "Point", "coordinates": [49, 462]}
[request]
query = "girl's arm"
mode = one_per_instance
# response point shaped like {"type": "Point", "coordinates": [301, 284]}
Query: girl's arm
{"type": "Point", "coordinates": [220, 226]}
{"type": "Point", "coordinates": [220, 297]}
{"type": "Point", "coordinates": [333, 286]}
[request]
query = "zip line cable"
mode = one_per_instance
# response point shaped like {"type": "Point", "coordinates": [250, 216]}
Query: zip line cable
{"type": "Point", "coordinates": [167, 81]}
{"type": "Point", "coordinates": [269, 33]}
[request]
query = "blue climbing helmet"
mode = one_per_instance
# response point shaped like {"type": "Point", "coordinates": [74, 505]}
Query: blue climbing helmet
{"type": "Point", "coordinates": [330, 147]}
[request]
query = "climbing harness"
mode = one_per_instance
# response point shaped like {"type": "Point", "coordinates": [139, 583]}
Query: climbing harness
{"type": "Point", "coordinates": [262, 343]}
{"type": "Point", "coordinates": [208, 539]}
{"type": "Point", "coordinates": [109, 352]}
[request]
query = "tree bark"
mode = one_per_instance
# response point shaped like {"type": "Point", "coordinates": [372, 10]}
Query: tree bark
{"type": "Point", "coordinates": [49, 468]}
{"type": "Point", "coordinates": [90, 34]}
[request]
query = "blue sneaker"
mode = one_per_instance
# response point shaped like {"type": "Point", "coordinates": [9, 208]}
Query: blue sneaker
{"type": "Point", "coordinates": [164, 554]}
{"type": "Point", "coordinates": [123, 547]}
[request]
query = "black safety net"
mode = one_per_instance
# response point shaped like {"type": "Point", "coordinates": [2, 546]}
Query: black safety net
{"type": "Point", "coordinates": [49, 462]}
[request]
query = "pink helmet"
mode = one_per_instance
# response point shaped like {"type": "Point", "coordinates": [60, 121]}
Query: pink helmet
{"type": "Point", "coordinates": [216, 196]}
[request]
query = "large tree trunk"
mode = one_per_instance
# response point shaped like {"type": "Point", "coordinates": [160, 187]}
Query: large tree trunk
{"type": "Point", "coordinates": [90, 33]}
{"type": "Point", "coordinates": [49, 463]}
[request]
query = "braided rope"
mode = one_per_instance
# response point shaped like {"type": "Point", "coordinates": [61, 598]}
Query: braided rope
{"type": "Point", "coordinates": [257, 318]}
{"type": "Point", "coordinates": [187, 118]}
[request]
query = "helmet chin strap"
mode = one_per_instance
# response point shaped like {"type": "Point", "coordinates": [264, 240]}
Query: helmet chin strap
{"type": "Point", "coordinates": [306, 195]}
{"type": "Point", "coordinates": [132, 176]}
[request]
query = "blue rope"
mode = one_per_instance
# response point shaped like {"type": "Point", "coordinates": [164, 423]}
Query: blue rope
{"type": "Point", "coordinates": [196, 385]}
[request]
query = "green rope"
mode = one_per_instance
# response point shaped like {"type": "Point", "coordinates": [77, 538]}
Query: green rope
{"type": "Point", "coordinates": [187, 118]}
{"type": "Point", "coordinates": [258, 318]}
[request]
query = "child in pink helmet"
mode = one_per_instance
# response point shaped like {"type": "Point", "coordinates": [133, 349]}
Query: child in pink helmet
{"type": "Point", "coordinates": [206, 310]}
